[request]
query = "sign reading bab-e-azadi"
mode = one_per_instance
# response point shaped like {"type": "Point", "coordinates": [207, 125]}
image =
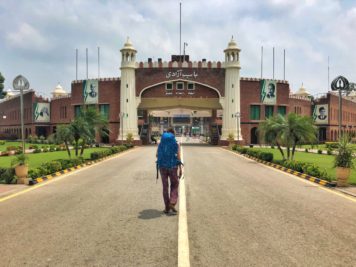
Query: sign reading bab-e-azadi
{"type": "Point", "coordinates": [268, 91]}
{"type": "Point", "coordinates": [91, 91]}
{"type": "Point", "coordinates": [42, 112]}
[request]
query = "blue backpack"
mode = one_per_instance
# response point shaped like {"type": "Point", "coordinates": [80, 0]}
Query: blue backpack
{"type": "Point", "coordinates": [167, 151]}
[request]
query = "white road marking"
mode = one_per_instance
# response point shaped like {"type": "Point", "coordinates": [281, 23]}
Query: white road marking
{"type": "Point", "coordinates": [183, 240]}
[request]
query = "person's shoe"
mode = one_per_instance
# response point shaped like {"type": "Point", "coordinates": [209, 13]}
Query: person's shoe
{"type": "Point", "coordinates": [172, 208]}
{"type": "Point", "coordinates": [166, 210]}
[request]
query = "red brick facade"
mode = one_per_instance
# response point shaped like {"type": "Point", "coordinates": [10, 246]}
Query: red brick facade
{"type": "Point", "coordinates": [208, 82]}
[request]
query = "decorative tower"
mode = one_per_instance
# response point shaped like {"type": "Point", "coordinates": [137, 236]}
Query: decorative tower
{"type": "Point", "coordinates": [128, 106]}
{"type": "Point", "coordinates": [231, 102]}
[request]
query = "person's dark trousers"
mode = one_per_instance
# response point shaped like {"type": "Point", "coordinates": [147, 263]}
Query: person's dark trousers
{"type": "Point", "coordinates": [172, 175]}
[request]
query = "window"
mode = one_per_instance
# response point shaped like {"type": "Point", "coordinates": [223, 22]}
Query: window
{"type": "Point", "coordinates": [282, 110]}
{"type": "Point", "coordinates": [104, 110]}
{"type": "Point", "coordinates": [191, 86]}
{"type": "Point", "coordinates": [255, 112]}
{"type": "Point", "coordinates": [268, 111]}
{"type": "Point", "coordinates": [169, 86]}
{"type": "Point", "coordinates": [77, 110]}
{"type": "Point", "coordinates": [180, 86]}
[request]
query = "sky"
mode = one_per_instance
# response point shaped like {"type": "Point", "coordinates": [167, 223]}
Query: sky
{"type": "Point", "coordinates": [38, 38]}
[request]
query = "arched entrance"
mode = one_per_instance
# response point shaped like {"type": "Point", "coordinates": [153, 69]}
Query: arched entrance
{"type": "Point", "coordinates": [192, 109]}
{"type": "Point", "coordinates": [254, 136]}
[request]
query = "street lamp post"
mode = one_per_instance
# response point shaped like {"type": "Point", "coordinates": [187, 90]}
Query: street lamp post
{"type": "Point", "coordinates": [21, 84]}
{"type": "Point", "coordinates": [238, 115]}
{"type": "Point", "coordinates": [340, 84]}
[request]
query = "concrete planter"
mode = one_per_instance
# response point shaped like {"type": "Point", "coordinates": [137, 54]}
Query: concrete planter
{"type": "Point", "coordinates": [342, 174]}
{"type": "Point", "coordinates": [21, 171]}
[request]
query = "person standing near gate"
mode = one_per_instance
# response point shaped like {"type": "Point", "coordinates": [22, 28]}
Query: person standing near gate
{"type": "Point", "coordinates": [169, 164]}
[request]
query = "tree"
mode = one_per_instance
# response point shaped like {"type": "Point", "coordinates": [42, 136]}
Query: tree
{"type": "Point", "coordinates": [271, 131]}
{"type": "Point", "coordinates": [64, 135]}
{"type": "Point", "coordinates": [85, 126]}
{"type": "Point", "coordinates": [2, 80]}
{"type": "Point", "coordinates": [288, 131]}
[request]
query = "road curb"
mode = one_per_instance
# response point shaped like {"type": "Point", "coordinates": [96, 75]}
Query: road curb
{"type": "Point", "coordinates": [290, 171]}
{"type": "Point", "coordinates": [57, 174]}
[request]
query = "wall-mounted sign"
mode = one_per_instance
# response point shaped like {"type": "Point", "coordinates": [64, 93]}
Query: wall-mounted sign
{"type": "Point", "coordinates": [91, 91]}
{"type": "Point", "coordinates": [320, 114]}
{"type": "Point", "coordinates": [179, 74]}
{"type": "Point", "coordinates": [41, 112]}
{"type": "Point", "coordinates": [268, 91]}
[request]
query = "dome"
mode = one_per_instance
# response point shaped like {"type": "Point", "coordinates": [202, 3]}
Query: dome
{"type": "Point", "coordinates": [352, 93]}
{"type": "Point", "coordinates": [128, 45]}
{"type": "Point", "coordinates": [302, 91]}
{"type": "Point", "coordinates": [10, 93]}
{"type": "Point", "coordinates": [232, 45]}
{"type": "Point", "coordinates": [59, 91]}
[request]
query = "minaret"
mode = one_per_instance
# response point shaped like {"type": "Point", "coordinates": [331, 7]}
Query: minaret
{"type": "Point", "coordinates": [231, 102]}
{"type": "Point", "coordinates": [128, 107]}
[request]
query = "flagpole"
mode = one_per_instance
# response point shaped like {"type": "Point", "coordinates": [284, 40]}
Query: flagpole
{"type": "Point", "coordinates": [180, 30]}
{"type": "Point", "coordinates": [98, 62]}
{"type": "Point", "coordinates": [273, 63]}
{"type": "Point", "coordinates": [86, 52]}
{"type": "Point", "coordinates": [261, 62]}
{"type": "Point", "coordinates": [76, 64]}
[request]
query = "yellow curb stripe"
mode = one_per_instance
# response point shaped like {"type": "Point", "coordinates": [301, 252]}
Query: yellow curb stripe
{"type": "Point", "coordinates": [39, 180]}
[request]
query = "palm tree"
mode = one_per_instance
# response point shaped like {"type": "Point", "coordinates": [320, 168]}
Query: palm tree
{"type": "Point", "coordinates": [288, 131]}
{"type": "Point", "coordinates": [85, 126]}
{"type": "Point", "coordinates": [271, 131]}
{"type": "Point", "coordinates": [300, 130]}
{"type": "Point", "coordinates": [64, 135]}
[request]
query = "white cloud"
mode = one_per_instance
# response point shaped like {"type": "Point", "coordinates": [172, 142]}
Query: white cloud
{"type": "Point", "coordinates": [27, 37]}
{"type": "Point", "coordinates": [41, 39]}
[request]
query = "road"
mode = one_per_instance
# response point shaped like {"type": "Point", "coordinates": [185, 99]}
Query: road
{"type": "Point", "coordinates": [239, 213]}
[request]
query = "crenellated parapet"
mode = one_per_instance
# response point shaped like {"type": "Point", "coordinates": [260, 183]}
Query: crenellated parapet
{"type": "Point", "coordinates": [185, 64]}
{"type": "Point", "coordinates": [251, 79]}
{"type": "Point", "coordinates": [100, 80]}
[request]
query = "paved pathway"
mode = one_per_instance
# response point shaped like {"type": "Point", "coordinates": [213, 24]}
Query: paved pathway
{"type": "Point", "coordinates": [239, 213]}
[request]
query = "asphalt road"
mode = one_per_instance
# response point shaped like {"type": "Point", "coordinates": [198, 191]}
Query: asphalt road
{"type": "Point", "coordinates": [240, 213]}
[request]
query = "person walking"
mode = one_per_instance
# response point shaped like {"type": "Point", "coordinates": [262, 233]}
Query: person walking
{"type": "Point", "coordinates": [169, 164]}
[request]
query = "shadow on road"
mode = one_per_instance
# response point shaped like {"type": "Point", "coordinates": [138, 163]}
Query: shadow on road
{"type": "Point", "coordinates": [150, 214]}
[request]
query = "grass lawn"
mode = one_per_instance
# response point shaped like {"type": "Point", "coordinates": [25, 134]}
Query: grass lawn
{"type": "Point", "coordinates": [35, 160]}
{"type": "Point", "coordinates": [322, 161]}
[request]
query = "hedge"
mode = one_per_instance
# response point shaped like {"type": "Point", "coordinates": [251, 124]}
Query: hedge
{"type": "Point", "coordinates": [266, 156]}
{"type": "Point", "coordinates": [302, 167]}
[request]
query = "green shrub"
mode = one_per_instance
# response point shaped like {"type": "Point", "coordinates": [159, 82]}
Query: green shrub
{"type": "Point", "coordinates": [45, 150]}
{"type": "Point", "coordinates": [52, 166]}
{"type": "Point", "coordinates": [329, 151]}
{"type": "Point", "coordinates": [52, 148]}
{"type": "Point", "coordinates": [320, 151]}
{"type": "Point", "coordinates": [7, 175]}
{"type": "Point", "coordinates": [37, 150]}
{"type": "Point", "coordinates": [306, 150]}
{"type": "Point", "coordinates": [266, 156]}
{"type": "Point", "coordinates": [234, 147]}
{"type": "Point", "coordinates": [331, 145]}
{"type": "Point", "coordinates": [312, 170]}
{"type": "Point", "coordinates": [77, 161]}
{"type": "Point", "coordinates": [65, 163]}
{"type": "Point", "coordinates": [11, 148]}
{"type": "Point", "coordinates": [35, 173]}
{"type": "Point", "coordinates": [2, 142]}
